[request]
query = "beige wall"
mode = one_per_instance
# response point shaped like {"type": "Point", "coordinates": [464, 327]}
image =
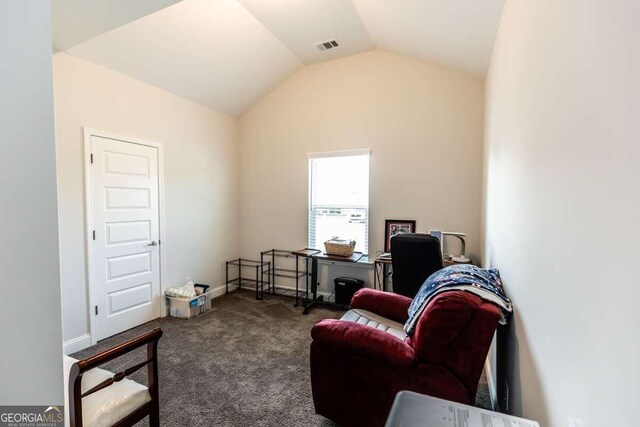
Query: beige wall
{"type": "Point", "coordinates": [423, 123]}
{"type": "Point", "coordinates": [563, 205]}
{"type": "Point", "coordinates": [201, 174]}
{"type": "Point", "coordinates": [30, 331]}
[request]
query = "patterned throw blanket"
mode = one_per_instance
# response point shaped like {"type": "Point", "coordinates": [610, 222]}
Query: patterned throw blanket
{"type": "Point", "coordinates": [484, 283]}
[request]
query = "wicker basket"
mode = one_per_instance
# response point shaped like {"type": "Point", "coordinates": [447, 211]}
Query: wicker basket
{"type": "Point", "coordinates": [339, 247]}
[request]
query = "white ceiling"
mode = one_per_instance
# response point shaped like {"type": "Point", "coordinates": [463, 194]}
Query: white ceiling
{"type": "Point", "coordinates": [302, 24]}
{"type": "Point", "coordinates": [75, 21]}
{"type": "Point", "coordinates": [458, 33]}
{"type": "Point", "coordinates": [213, 52]}
{"type": "Point", "coordinates": [228, 54]}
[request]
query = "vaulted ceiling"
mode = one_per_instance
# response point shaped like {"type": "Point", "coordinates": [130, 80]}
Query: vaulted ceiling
{"type": "Point", "coordinates": [228, 54]}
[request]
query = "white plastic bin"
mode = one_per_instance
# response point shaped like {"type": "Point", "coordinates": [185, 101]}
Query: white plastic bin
{"type": "Point", "coordinates": [186, 308]}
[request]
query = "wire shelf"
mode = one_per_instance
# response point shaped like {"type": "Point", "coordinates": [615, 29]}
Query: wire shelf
{"type": "Point", "coordinates": [280, 253]}
{"type": "Point", "coordinates": [246, 280]}
{"type": "Point", "coordinates": [288, 273]}
{"type": "Point", "coordinates": [262, 269]}
{"type": "Point", "coordinates": [288, 292]}
{"type": "Point", "coordinates": [241, 262]}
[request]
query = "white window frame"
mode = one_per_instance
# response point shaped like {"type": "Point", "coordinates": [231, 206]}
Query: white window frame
{"type": "Point", "coordinates": [338, 153]}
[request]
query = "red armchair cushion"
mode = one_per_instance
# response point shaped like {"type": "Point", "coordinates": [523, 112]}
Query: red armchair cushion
{"type": "Point", "coordinates": [385, 304]}
{"type": "Point", "coordinates": [363, 341]}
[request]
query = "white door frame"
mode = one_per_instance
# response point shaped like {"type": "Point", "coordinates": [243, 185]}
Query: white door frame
{"type": "Point", "coordinates": [88, 133]}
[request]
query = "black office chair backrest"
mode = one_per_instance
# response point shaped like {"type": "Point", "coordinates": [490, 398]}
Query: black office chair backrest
{"type": "Point", "coordinates": [414, 258]}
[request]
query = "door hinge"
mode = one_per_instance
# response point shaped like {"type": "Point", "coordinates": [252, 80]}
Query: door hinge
{"type": "Point", "coordinates": [91, 158]}
{"type": "Point", "coordinates": [96, 310]}
{"type": "Point", "coordinates": [94, 234]}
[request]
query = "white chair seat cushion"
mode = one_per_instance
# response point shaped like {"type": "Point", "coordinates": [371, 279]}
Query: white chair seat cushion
{"type": "Point", "coordinates": [373, 320]}
{"type": "Point", "coordinates": [106, 407]}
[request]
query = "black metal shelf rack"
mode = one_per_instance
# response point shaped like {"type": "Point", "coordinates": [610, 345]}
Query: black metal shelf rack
{"type": "Point", "coordinates": [289, 272]}
{"type": "Point", "coordinates": [262, 269]}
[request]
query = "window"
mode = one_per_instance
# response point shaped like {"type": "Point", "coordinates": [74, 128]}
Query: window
{"type": "Point", "coordinates": [339, 198]}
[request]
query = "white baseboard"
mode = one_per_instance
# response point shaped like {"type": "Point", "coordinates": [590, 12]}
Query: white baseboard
{"type": "Point", "coordinates": [218, 291]}
{"type": "Point", "coordinates": [493, 394]}
{"type": "Point", "coordinates": [76, 344]}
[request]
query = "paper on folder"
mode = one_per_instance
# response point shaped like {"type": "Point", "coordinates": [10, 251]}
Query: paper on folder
{"type": "Point", "coordinates": [413, 409]}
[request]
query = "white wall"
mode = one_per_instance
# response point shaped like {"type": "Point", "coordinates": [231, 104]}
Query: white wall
{"type": "Point", "coordinates": [30, 302]}
{"type": "Point", "coordinates": [201, 174]}
{"type": "Point", "coordinates": [563, 205]}
{"type": "Point", "coordinates": [423, 123]}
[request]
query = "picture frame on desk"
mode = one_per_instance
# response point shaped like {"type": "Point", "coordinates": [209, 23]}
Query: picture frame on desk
{"type": "Point", "coordinates": [395, 226]}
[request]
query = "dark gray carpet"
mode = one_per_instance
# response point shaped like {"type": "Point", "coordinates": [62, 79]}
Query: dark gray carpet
{"type": "Point", "coordinates": [244, 363]}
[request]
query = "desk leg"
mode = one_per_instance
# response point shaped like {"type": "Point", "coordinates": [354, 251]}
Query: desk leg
{"type": "Point", "coordinates": [376, 279]}
{"type": "Point", "coordinates": [314, 286]}
{"type": "Point", "coordinates": [314, 278]}
{"type": "Point", "coordinates": [306, 282]}
{"type": "Point", "coordinates": [380, 274]}
{"type": "Point", "coordinates": [385, 268]}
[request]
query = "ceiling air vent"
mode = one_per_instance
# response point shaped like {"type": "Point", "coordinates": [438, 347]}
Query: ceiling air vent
{"type": "Point", "coordinates": [329, 44]}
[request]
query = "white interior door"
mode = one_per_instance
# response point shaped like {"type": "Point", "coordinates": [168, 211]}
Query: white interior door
{"type": "Point", "coordinates": [125, 259]}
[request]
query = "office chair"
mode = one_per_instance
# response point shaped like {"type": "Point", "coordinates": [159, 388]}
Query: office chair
{"type": "Point", "coordinates": [414, 258]}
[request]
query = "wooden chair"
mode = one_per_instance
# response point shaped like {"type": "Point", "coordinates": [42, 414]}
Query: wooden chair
{"type": "Point", "coordinates": [136, 401]}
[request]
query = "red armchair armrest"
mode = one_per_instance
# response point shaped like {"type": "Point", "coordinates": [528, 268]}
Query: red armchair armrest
{"type": "Point", "coordinates": [363, 341]}
{"type": "Point", "coordinates": [386, 304]}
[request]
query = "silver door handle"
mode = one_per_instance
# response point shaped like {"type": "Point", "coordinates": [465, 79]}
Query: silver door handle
{"type": "Point", "coordinates": [153, 243]}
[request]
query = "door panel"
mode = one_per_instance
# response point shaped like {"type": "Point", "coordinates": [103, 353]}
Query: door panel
{"type": "Point", "coordinates": [129, 298]}
{"type": "Point", "coordinates": [126, 164]}
{"type": "Point", "coordinates": [127, 198]}
{"type": "Point", "coordinates": [128, 265]}
{"type": "Point", "coordinates": [125, 269]}
{"type": "Point", "coordinates": [118, 233]}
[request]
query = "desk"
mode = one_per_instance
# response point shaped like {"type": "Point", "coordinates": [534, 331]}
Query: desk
{"type": "Point", "coordinates": [322, 256]}
{"type": "Point", "coordinates": [382, 271]}
{"type": "Point", "coordinates": [313, 255]}
{"type": "Point", "coordinates": [449, 262]}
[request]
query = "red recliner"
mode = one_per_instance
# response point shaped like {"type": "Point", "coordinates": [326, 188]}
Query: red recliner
{"type": "Point", "coordinates": [360, 362]}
